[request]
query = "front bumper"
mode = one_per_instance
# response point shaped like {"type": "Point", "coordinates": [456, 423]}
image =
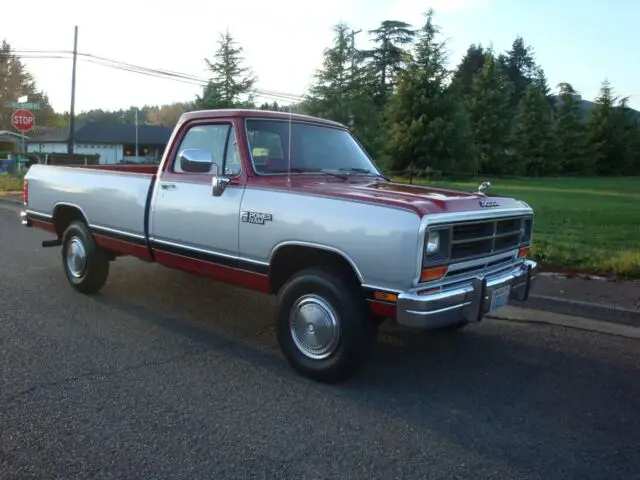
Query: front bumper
{"type": "Point", "coordinates": [466, 302]}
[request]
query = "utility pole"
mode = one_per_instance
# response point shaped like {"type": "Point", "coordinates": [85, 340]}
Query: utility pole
{"type": "Point", "coordinates": [136, 133]}
{"type": "Point", "coordinates": [72, 110]}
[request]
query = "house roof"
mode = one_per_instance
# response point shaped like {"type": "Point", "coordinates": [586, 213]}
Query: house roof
{"type": "Point", "coordinates": [7, 135]}
{"type": "Point", "coordinates": [101, 132]}
{"type": "Point", "coordinates": [98, 132]}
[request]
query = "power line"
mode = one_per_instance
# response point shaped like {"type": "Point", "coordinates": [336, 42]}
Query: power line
{"type": "Point", "coordinates": [153, 72]}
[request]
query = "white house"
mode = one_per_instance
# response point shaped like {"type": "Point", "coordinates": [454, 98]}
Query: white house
{"type": "Point", "coordinates": [114, 143]}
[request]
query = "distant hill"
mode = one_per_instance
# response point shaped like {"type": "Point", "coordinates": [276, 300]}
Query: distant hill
{"type": "Point", "coordinates": [587, 106]}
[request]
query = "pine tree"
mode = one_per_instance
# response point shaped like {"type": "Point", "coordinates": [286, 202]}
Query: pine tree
{"type": "Point", "coordinates": [470, 65]}
{"type": "Point", "coordinates": [570, 134]}
{"type": "Point", "coordinates": [605, 137]}
{"type": "Point", "coordinates": [231, 84]}
{"type": "Point", "coordinates": [390, 56]}
{"type": "Point", "coordinates": [425, 119]}
{"type": "Point", "coordinates": [520, 67]}
{"type": "Point", "coordinates": [532, 134]}
{"type": "Point", "coordinates": [343, 90]}
{"type": "Point", "coordinates": [488, 104]}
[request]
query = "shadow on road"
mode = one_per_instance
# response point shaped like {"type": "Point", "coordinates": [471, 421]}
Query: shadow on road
{"type": "Point", "coordinates": [492, 385]}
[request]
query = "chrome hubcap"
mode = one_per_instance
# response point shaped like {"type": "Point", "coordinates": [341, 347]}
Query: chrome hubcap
{"type": "Point", "coordinates": [76, 257]}
{"type": "Point", "coordinates": [315, 327]}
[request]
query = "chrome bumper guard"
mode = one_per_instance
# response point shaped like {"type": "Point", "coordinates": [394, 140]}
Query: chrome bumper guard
{"type": "Point", "coordinates": [25, 220]}
{"type": "Point", "coordinates": [469, 301]}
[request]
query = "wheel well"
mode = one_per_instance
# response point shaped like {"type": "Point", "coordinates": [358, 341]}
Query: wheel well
{"type": "Point", "coordinates": [290, 259]}
{"type": "Point", "coordinates": [63, 215]}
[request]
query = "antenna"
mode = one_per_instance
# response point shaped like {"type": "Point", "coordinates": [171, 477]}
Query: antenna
{"type": "Point", "coordinates": [289, 147]}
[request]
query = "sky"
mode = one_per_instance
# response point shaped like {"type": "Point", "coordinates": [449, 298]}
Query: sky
{"type": "Point", "coordinates": [577, 41]}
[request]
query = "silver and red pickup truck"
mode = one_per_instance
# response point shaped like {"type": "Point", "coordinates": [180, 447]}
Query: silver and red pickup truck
{"type": "Point", "coordinates": [293, 206]}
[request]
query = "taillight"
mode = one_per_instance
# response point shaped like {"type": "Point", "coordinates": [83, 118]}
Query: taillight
{"type": "Point", "coordinates": [25, 192]}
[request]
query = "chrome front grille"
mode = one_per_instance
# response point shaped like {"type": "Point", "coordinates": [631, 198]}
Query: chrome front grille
{"type": "Point", "coordinates": [470, 240]}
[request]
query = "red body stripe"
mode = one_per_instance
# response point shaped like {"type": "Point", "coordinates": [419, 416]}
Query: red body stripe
{"type": "Point", "coordinates": [44, 225]}
{"type": "Point", "coordinates": [242, 278]}
{"type": "Point", "coordinates": [125, 248]}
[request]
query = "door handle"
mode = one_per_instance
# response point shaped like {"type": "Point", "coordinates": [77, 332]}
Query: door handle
{"type": "Point", "coordinates": [167, 186]}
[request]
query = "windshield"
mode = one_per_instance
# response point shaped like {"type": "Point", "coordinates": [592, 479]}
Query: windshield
{"type": "Point", "coordinates": [314, 148]}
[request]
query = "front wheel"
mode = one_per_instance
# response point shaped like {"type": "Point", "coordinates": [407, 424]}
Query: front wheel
{"type": "Point", "coordinates": [323, 326]}
{"type": "Point", "coordinates": [85, 263]}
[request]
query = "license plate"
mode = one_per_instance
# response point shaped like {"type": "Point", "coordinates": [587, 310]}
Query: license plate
{"type": "Point", "coordinates": [500, 297]}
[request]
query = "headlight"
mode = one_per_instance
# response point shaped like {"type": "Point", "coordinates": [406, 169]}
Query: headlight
{"type": "Point", "coordinates": [433, 242]}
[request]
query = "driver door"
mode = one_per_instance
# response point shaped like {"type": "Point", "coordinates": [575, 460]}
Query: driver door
{"type": "Point", "coordinates": [190, 228]}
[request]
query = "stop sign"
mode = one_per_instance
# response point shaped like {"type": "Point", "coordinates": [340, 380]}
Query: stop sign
{"type": "Point", "coordinates": [23, 120]}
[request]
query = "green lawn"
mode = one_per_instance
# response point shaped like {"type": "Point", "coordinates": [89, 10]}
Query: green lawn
{"type": "Point", "coordinates": [583, 224]}
{"type": "Point", "coordinates": [10, 182]}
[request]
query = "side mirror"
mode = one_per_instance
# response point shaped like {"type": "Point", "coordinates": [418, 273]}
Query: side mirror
{"type": "Point", "coordinates": [195, 160]}
{"type": "Point", "coordinates": [218, 183]}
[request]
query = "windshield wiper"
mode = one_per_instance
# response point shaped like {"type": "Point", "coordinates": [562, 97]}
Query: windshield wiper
{"type": "Point", "coordinates": [363, 170]}
{"type": "Point", "coordinates": [313, 170]}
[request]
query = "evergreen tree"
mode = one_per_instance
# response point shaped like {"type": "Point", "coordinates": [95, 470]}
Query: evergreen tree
{"type": "Point", "coordinates": [470, 65]}
{"type": "Point", "coordinates": [532, 134]}
{"type": "Point", "coordinates": [604, 138]}
{"type": "Point", "coordinates": [488, 104]}
{"type": "Point", "coordinates": [570, 133]}
{"type": "Point", "coordinates": [390, 55]}
{"type": "Point", "coordinates": [343, 90]}
{"type": "Point", "coordinates": [426, 122]}
{"type": "Point", "coordinates": [520, 67]}
{"type": "Point", "coordinates": [15, 82]}
{"type": "Point", "coordinates": [231, 84]}
{"type": "Point", "coordinates": [625, 126]}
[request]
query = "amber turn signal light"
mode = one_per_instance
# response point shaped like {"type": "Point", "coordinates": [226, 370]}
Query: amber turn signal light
{"type": "Point", "coordinates": [523, 252]}
{"type": "Point", "coordinates": [385, 297]}
{"type": "Point", "coordinates": [431, 274]}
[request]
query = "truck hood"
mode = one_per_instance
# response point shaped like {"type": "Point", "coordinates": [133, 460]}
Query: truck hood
{"type": "Point", "coordinates": [420, 199]}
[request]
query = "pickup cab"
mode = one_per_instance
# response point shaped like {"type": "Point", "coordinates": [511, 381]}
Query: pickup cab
{"type": "Point", "coordinates": [292, 206]}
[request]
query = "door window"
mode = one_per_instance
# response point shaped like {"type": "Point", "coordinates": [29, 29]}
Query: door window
{"type": "Point", "coordinates": [219, 140]}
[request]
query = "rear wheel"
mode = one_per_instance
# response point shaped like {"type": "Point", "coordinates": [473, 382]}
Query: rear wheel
{"type": "Point", "coordinates": [85, 263]}
{"type": "Point", "coordinates": [323, 326]}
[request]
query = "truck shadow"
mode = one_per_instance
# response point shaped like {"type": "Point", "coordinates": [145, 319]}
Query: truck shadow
{"type": "Point", "coordinates": [497, 389]}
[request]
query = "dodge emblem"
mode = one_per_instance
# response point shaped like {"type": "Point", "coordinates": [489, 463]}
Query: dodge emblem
{"type": "Point", "coordinates": [485, 203]}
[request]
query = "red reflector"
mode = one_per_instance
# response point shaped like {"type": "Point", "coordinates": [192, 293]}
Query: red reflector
{"type": "Point", "coordinates": [25, 192]}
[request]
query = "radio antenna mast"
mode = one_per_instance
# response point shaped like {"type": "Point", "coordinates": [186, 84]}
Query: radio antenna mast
{"type": "Point", "coordinates": [289, 148]}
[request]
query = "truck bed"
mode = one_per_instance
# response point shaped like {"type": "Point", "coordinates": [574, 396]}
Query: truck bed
{"type": "Point", "coordinates": [111, 198]}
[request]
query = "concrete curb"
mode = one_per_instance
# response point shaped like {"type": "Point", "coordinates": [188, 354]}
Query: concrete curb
{"type": "Point", "coordinates": [580, 323]}
{"type": "Point", "coordinates": [596, 311]}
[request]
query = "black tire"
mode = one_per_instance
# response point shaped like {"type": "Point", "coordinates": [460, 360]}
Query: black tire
{"type": "Point", "coordinates": [356, 326]}
{"type": "Point", "coordinates": [93, 276]}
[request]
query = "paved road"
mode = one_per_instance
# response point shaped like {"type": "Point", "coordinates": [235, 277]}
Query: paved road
{"type": "Point", "coordinates": [165, 375]}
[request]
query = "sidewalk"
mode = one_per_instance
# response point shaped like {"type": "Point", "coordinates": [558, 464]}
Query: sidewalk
{"type": "Point", "coordinates": [610, 301]}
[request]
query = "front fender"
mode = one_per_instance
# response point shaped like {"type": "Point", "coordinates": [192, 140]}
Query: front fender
{"type": "Point", "coordinates": [380, 242]}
